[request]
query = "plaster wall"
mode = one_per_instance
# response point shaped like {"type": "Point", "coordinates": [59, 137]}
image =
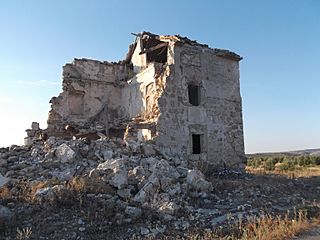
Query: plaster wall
{"type": "Point", "coordinates": [138, 60]}
{"type": "Point", "coordinates": [133, 94]}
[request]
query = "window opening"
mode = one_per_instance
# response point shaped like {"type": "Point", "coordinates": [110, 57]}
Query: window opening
{"type": "Point", "coordinates": [194, 94]}
{"type": "Point", "coordinates": [196, 143]}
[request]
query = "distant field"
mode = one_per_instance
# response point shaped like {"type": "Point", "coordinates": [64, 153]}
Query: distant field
{"type": "Point", "coordinates": [290, 164]}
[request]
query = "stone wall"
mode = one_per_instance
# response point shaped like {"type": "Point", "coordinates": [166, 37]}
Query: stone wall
{"type": "Point", "coordinates": [217, 118]}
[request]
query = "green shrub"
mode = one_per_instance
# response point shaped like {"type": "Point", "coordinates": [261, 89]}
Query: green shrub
{"type": "Point", "coordinates": [269, 164]}
{"type": "Point", "coordinates": [254, 162]}
{"type": "Point", "coordinates": [315, 160]}
{"type": "Point", "coordinates": [287, 166]}
{"type": "Point", "coordinates": [287, 162]}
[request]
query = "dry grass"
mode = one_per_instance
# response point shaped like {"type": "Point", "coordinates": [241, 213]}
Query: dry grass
{"type": "Point", "coordinates": [5, 193]}
{"type": "Point", "coordinates": [276, 228]}
{"type": "Point", "coordinates": [296, 173]}
{"type": "Point", "coordinates": [89, 185]}
{"type": "Point", "coordinates": [266, 227]}
{"type": "Point", "coordinates": [77, 184]}
{"type": "Point", "coordinates": [24, 233]}
{"type": "Point", "coordinates": [24, 191]}
{"type": "Point", "coordinates": [36, 186]}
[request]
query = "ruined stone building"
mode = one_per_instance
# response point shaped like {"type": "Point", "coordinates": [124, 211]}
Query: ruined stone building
{"type": "Point", "coordinates": [181, 95]}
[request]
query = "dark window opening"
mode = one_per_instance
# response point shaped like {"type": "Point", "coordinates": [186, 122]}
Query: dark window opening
{"type": "Point", "coordinates": [156, 50]}
{"type": "Point", "coordinates": [194, 94]}
{"type": "Point", "coordinates": [196, 143]}
{"type": "Point", "coordinates": [159, 55]}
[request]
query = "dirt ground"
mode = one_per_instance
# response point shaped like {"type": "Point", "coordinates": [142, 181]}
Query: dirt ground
{"type": "Point", "coordinates": [312, 234]}
{"type": "Point", "coordinates": [235, 196]}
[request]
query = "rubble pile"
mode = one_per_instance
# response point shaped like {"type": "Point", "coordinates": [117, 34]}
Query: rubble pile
{"type": "Point", "coordinates": [131, 177]}
{"type": "Point", "coordinates": [136, 168]}
{"type": "Point", "coordinates": [124, 189]}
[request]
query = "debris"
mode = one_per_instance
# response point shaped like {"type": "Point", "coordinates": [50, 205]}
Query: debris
{"type": "Point", "coordinates": [5, 214]}
{"type": "Point", "coordinates": [169, 208]}
{"type": "Point", "coordinates": [65, 153]}
{"type": "Point", "coordinates": [107, 154]}
{"type": "Point", "coordinates": [148, 150]}
{"type": "Point", "coordinates": [196, 181]}
{"type": "Point", "coordinates": [133, 212]}
{"type": "Point", "coordinates": [120, 179]}
{"type": "Point", "coordinates": [3, 180]}
{"type": "Point", "coordinates": [144, 231]}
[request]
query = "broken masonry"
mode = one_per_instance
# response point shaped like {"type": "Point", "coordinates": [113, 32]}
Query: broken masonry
{"type": "Point", "coordinates": [181, 95]}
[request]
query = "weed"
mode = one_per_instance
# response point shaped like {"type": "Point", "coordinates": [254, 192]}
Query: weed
{"type": "Point", "coordinates": [24, 233]}
{"type": "Point", "coordinates": [5, 193]}
{"type": "Point", "coordinates": [265, 227]}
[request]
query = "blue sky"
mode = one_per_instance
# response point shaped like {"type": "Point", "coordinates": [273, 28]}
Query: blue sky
{"type": "Point", "coordinates": [278, 40]}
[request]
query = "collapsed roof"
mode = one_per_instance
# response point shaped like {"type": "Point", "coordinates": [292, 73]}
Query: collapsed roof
{"type": "Point", "coordinates": [155, 46]}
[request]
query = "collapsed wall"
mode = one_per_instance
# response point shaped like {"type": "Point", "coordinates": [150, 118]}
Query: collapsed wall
{"type": "Point", "coordinates": [90, 97]}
